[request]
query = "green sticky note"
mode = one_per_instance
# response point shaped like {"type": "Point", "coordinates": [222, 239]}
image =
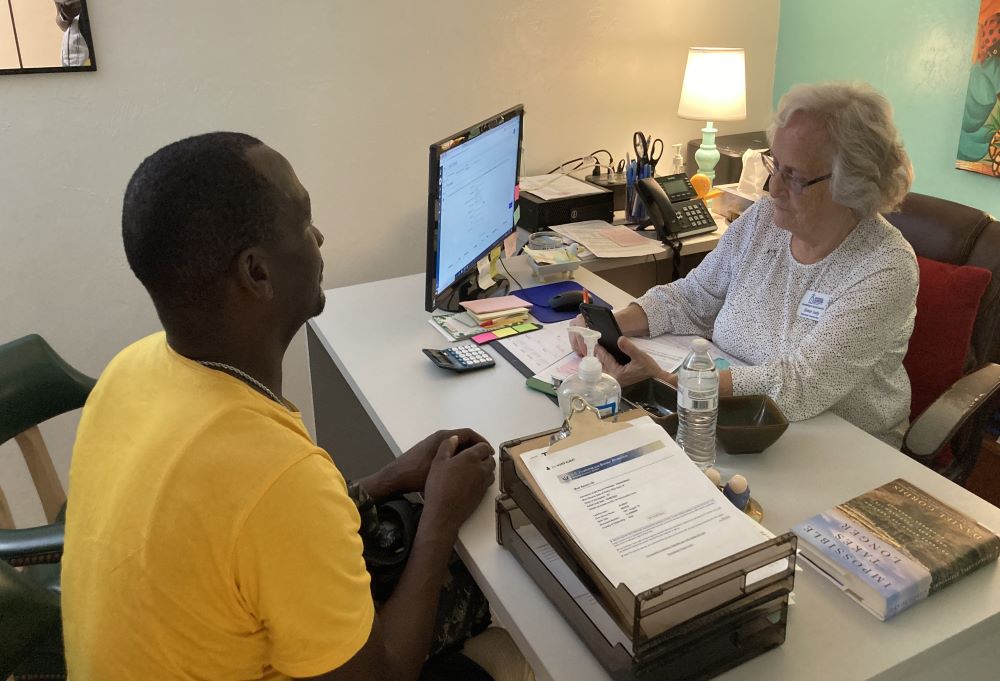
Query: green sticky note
{"type": "Point", "coordinates": [527, 326]}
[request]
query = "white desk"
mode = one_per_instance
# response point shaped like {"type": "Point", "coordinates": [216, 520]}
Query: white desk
{"type": "Point", "coordinates": [389, 391]}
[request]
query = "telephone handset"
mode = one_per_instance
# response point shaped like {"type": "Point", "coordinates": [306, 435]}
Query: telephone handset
{"type": "Point", "coordinates": [673, 220]}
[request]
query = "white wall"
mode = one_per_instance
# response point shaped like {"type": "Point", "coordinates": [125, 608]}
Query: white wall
{"type": "Point", "coordinates": [351, 93]}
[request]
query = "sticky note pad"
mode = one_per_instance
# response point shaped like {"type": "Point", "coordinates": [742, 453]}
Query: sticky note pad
{"type": "Point", "coordinates": [506, 332]}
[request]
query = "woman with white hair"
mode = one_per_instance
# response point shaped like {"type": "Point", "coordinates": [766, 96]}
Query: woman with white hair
{"type": "Point", "coordinates": [811, 286]}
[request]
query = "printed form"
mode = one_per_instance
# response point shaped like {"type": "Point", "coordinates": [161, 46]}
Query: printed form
{"type": "Point", "coordinates": [642, 511]}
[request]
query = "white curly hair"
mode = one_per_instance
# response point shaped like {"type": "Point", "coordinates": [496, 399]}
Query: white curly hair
{"type": "Point", "coordinates": [871, 169]}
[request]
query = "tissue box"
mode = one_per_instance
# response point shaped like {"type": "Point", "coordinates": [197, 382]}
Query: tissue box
{"type": "Point", "coordinates": [731, 203]}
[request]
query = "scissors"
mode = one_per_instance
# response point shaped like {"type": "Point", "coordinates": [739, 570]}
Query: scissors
{"type": "Point", "coordinates": [648, 150]}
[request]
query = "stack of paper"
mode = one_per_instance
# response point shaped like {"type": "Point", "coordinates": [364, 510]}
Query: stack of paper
{"type": "Point", "coordinates": [609, 241]}
{"type": "Point", "coordinates": [497, 312]}
{"type": "Point", "coordinates": [638, 507]}
{"type": "Point", "coordinates": [557, 186]}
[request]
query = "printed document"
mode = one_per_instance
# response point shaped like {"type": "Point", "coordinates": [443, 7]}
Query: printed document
{"type": "Point", "coordinates": [557, 186]}
{"type": "Point", "coordinates": [594, 236]}
{"type": "Point", "coordinates": [641, 510]}
{"type": "Point", "coordinates": [669, 351]}
{"type": "Point", "coordinates": [549, 355]}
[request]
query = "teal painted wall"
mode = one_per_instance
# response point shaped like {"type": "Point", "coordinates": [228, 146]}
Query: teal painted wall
{"type": "Point", "coordinates": [917, 52]}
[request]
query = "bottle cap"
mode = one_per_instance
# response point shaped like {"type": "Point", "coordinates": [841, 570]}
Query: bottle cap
{"type": "Point", "coordinates": [699, 345]}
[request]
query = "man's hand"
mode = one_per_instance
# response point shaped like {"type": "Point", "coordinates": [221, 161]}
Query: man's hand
{"type": "Point", "coordinates": [457, 480]}
{"type": "Point", "coordinates": [409, 472]}
{"type": "Point", "coordinates": [641, 367]}
{"type": "Point", "coordinates": [66, 12]}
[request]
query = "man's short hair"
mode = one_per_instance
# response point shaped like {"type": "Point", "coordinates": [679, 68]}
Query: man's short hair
{"type": "Point", "coordinates": [189, 209]}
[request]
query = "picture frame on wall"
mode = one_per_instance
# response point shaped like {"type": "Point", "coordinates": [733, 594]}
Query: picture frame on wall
{"type": "Point", "coordinates": [979, 139]}
{"type": "Point", "coordinates": [46, 36]}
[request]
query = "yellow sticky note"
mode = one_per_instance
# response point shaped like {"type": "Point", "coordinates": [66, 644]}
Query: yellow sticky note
{"type": "Point", "coordinates": [504, 332]}
{"type": "Point", "coordinates": [494, 256]}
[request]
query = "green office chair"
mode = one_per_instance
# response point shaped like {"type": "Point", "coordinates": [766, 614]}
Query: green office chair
{"type": "Point", "coordinates": [36, 384]}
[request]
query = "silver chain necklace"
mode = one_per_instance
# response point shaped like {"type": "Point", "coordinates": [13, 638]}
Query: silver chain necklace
{"type": "Point", "coordinates": [245, 376]}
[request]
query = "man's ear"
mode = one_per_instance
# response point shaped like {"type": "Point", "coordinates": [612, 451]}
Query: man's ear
{"type": "Point", "coordinates": [254, 275]}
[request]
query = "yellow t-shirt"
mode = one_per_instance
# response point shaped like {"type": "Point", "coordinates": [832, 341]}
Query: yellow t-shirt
{"type": "Point", "coordinates": [207, 537]}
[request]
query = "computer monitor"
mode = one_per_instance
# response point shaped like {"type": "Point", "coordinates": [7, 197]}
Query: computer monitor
{"type": "Point", "coordinates": [470, 206]}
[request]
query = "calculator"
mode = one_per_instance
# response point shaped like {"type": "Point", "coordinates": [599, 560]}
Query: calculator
{"type": "Point", "coordinates": [462, 357]}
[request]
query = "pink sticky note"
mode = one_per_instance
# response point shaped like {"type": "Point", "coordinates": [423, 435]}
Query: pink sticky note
{"type": "Point", "coordinates": [570, 367]}
{"type": "Point", "coordinates": [510, 246]}
{"type": "Point", "coordinates": [484, 338]}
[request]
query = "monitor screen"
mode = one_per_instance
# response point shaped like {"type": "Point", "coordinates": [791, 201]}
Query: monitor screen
{"type": "Point", "coordinates": [473, 180]}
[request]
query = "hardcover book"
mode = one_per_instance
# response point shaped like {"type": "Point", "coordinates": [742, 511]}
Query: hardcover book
{"type": "Point", "coordinates": [895, 545]}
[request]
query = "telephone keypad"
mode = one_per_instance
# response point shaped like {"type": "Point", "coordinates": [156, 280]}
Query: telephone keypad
{"type": "Point", "coordinates": [695, 214]}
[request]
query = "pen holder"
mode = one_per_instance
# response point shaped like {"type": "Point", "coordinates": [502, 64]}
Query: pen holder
{"type": "Point", "coordinates": [635, 210]}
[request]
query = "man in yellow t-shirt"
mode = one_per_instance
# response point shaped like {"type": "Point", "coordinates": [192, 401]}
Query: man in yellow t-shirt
{"type": "Point", "coordinates": [207, 537]}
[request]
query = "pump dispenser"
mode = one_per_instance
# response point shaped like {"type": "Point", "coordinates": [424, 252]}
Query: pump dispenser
{"type": "Point", "coordinates": [597, 388]}
{"type": "Point", "coordinates": [678, 160]}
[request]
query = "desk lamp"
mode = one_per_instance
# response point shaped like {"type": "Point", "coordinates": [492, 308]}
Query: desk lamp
{"type": "Point", "coordinates": [714, 89]}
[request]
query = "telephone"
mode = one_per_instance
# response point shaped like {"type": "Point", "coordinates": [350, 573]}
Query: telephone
{"type": "Point", "coordinates": [677, 219]}
{"type": "Point", "coordinates": [678, 187]}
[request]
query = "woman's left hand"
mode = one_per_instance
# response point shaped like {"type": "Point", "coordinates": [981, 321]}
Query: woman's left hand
{"type": "Point", "coordinates": [641, 367]}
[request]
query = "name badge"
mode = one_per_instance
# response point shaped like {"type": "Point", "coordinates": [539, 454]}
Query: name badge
{"type": "Point", "coordinates": [813, 305]}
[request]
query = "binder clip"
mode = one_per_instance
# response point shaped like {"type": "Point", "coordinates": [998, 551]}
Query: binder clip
{"type": "Point", "coordinates": [583, 423]}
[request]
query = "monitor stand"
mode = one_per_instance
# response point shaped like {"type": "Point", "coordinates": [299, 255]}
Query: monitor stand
{"type": "Point", "coordinates": [467, 288]}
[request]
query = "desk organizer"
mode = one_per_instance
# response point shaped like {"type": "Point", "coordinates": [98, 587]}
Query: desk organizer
{"type": "Point", "coordinates": [693, 627]}
{"type": "Point", "coordinates": [554, 271]}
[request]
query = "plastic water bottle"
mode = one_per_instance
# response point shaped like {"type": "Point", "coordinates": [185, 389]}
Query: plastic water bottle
{"type": "Point", "coordinates": [698, 404]}
{"type": "Point", "coordinates": [597, 388]}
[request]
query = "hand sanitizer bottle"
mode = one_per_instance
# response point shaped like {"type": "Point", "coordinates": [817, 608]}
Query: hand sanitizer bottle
{"type": "Point", "coordinates": [597, 388]}
{"type": "Point", "coordinates": [678, 160]}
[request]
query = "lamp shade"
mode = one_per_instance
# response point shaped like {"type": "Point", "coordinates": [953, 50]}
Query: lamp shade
{"type": "Point", "coordinates": [715, 85]}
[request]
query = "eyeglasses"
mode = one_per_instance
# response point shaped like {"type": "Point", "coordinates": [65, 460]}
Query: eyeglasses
{"type": "Point", "coordinates": [794, 184]}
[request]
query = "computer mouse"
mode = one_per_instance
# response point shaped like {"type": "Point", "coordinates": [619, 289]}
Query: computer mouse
{"type": "Point", "coordinates": [567, 301]}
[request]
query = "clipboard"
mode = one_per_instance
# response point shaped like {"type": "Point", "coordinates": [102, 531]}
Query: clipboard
{"type": "Point", "coordinates": [695, 626]}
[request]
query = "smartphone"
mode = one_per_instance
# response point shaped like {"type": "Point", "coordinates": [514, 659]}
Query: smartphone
{"type": "Point", "coordinates": [600, 318]}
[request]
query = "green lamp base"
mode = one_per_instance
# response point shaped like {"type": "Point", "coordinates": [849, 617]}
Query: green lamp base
{"type": "Point", "coordinates": [707, 155]}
